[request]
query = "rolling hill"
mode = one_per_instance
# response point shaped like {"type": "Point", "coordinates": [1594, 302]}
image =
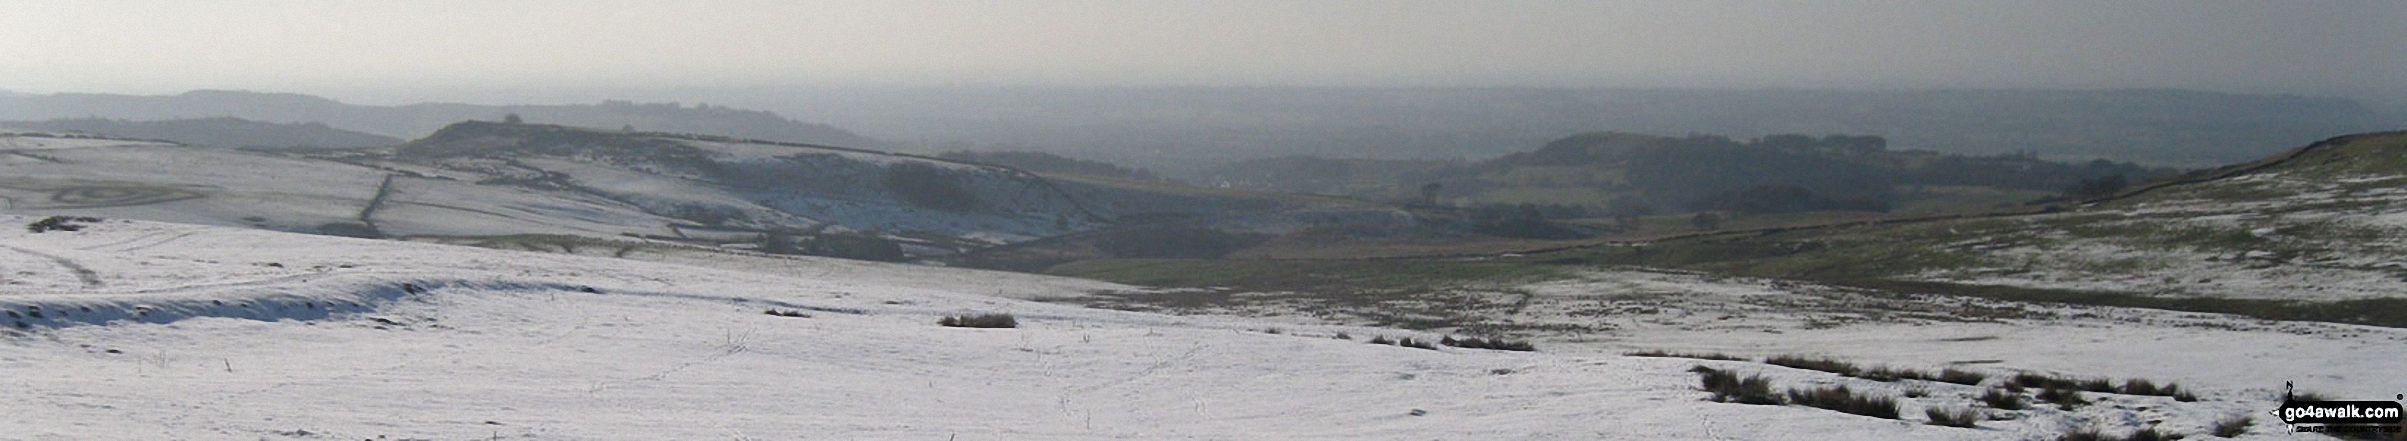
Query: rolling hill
{"type": "Point", "coordinates": [478, 180]}
{"type": "Point", "coordinates": [418, 120]}
{"type": "Point", "coordinates": [214, 132]}
{"type": "Point", "coordinates": [2317, 225]}
{"type": "Point", "coordinates": [1601, 172]}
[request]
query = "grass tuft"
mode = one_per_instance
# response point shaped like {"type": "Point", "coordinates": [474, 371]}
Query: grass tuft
{"type": "Point", "coordinates": [1728, 387]}
{"type": "Point", "coordinates": [2099, 385]}
{"type": "Point", "coordinates": [1963, 377]}
{"type": "Point", "coordinates": [1490, 344]}
{"type": "Point", "coordinates": [1819, 364]}
{"type": "Point", "coordinates": [2232, 427]}
{"type": "Point", "coordinates": [1956, 418]}
{"type": "Point", "coordinates": [2003, 400]}
{"type": "Point", "coordinates": [2063, 398]}
{"type": "Point", "coordinates": [2082, 434]}
{"type": "Point", "coordinates": [1839, 398]}
{"type": "Point", "coordinates": [1888, 374]}
{"type": "Point", "coordinates": [2139, 386]}
{"type": "Point", "coordinates": [2033, 381]}
{"type": "Point", "coordinates": [1695, 355]}
{"type": "Point", "coordinates": [2150, 434]}
{"type": "Point", "coordinates": [980, 321]}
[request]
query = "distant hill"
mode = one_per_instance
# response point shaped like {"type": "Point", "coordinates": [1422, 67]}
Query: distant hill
{"type": "Point", "coordinates": [1358, 177]}
{"type": "Point", "coordinates": [2275, 238]}
{"type": "Point", "coordinates": [1778, 173]}
{"type": "Point", "coordinates": [1179, 130]}
{"type": "Point", "coordinates": [416, 120]}
{"type": "Point", "coordinates": [541, 185]}
{"type": "Point", "coordinates": [217, 132]}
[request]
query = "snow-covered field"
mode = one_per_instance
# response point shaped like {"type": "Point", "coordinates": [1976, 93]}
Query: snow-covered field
{"type": "Point", "coordinates": [166, 331]}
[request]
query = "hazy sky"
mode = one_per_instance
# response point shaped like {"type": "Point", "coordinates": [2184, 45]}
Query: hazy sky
{"type": "Point", "coordinates": [401, 51]}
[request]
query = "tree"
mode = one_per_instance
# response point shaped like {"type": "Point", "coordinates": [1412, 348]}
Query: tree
{"type": "Point", "coordinates": [1706, 221]}
{"type": "Point", "coordinates": [1429, 193]}
{"type": "Point", "coordinates": [512, 119]}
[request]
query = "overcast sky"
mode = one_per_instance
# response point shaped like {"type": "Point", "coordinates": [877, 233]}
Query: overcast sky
{"type": "Point", "coordinates": [406, 51]}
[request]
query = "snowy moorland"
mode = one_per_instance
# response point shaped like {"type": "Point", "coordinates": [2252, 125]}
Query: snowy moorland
{"type": "Point", "coordinates": [138, 330]}
{"type": "Point", "coordinates": [2320, 223]}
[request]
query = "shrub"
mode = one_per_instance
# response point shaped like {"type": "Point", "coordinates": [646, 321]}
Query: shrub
{"type": "Point", "coordinates": [2002, 400]}
{"type": "Point", "coordinates": [1963, 377]}
{"type": "Point", "coordinates": [1728, 387]}
{"type": "Point", "coordinates": [1956, 418]}
{"type": "Point", "coordinates": [1917, 392]}
{"type": "Point", "coordinates": [1699, 356]}
{"type": "Point", "coordinates": [1381, 340]}
{"type": "Point", "coordinates": [2232, 426]}
{"type": "Point", "coordinates": [795, 313]}
{"type": "Point", "coordinates": [1839, 398]}
{"type": "Point", "coordinates": [980, 321]}
{"type": "Point", "coordinates": [1409, 342]}
{"type": "Point", "coordinates": [1819, 364]}
{"type": "Point", "coordinates": [1341, 335]}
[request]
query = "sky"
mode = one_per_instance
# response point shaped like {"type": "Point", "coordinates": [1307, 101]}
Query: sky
{"type": "Point", "coordinates": [408, 51]}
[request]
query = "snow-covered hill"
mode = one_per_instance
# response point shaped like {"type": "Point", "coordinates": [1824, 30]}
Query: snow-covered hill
{"type": "Point", "coordinates": [139, 330]}
{"type": "Point", "coordinates": [2322, 222]}
{"type": "Point", "coordinates": [480, 179]}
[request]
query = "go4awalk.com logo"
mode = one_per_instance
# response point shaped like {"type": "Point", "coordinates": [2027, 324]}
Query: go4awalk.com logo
{"type": "Point", "coordinates": [2313, 414]}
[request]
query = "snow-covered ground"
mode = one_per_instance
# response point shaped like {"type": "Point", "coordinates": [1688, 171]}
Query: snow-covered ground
{"type": "Point", "coordinates": [2322, 228]}
{"type": "Point", "coordinates": [165, 331]}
